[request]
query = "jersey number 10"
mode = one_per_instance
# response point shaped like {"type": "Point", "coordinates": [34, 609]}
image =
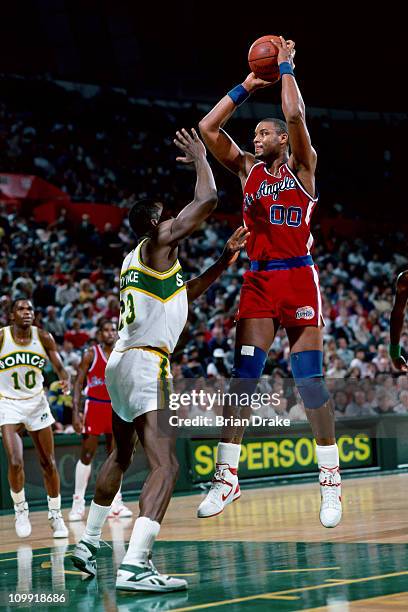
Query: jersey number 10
{"type": "Point", "coordinates": [292, 216]}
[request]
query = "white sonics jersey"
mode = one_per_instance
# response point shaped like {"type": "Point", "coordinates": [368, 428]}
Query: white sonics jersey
{"type": "Point", "coordinates": [21, 366]}
{"type": "Point", "coordinates": [153, 305]}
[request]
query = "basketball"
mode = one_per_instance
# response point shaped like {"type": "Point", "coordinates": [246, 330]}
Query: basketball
{"type": "Point", "coordinates": [263, 58]}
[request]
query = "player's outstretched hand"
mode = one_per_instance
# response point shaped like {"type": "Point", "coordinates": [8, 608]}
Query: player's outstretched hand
{"type": "Point", "coordinates": [65, 386]}
{"type": "Point", "coordinates": [252, 83]}
{"type": "Point", "coordinates": [234, 244]}
{"type": "Point", "coordinates": [286, 50]}
{"type": "Point", "coordinates": [400, 364]}
{"type": "Point", "coordinates": [192, 147]}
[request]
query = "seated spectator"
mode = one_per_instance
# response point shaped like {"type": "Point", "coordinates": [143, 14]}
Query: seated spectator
{"type": "Point", "coordinates": [402, 406]}
{"type": "Point", "coordinates": [344, 352]}
{"type": "Point", "coordinates": [384, 403]}
{"type": "Point", "coordinates": [54, 325]}
{"type": "Point", "coordinates": [358, 407]}
{"type": "Point", "coordinates": [337, 370]}
{"type": "Point", "coordinates": [297, 412]}
{"type": "Point", "coordinates": [76, 335]}
{"type": "Point", "coordinates": [218, 367]}
{"type": "Point", "coordinates": [340, 404]}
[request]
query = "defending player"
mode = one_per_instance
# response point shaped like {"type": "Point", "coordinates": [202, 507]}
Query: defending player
{"type": "Point", "coordinates": [282, 286]}
{"type": "Point", "coordinates": [397, 322]}
{"type": "Point", "coordinates": [154, 306]}
{"type": "Point", "coordinates": [96, 420]}
{"type": "Point", "coordinates": [24, 351]}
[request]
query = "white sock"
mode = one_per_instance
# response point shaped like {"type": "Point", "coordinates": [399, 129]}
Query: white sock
{"type": "Point", "coordinates": [144, 533]}
{"type": "Point", "coordinates": [228, 453]}
{"type": "Point", "coordinates": [19, 497]}
{"type": "Point", "coordinates": [118, 497]}
{"type": "Point", "coordinates": [327, 456]}
{"type": "Point", "coordinates": [96, 518]}
{"type": "Point", "coordinates": [82, 473]}
{"type": "Point", "coordinates": [54, 503]}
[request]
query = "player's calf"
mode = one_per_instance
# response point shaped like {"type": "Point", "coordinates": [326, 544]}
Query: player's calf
{"type": "Point", "coordinates": [307, 369]}
{"type": "Point", "coordinates": [249, 362]}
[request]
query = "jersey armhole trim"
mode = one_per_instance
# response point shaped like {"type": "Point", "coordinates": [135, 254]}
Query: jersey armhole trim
{"type": "Point", "coordinates": [250, 172]}
{"type": "Point", "coordinates": [139, 258]}
{"type": "Point", "coordinates": [314, 199]}
{"type": "Point", "coordinates": [40, 341]}
{"type": "Point", "coordinates": [95, 357]}
{"type": "Point", "coordinates": [4, 337]}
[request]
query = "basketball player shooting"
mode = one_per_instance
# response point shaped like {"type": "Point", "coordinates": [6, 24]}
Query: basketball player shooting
{"type": "Point", "coordinates": [154, 308]}
{"type": "Point", "coordinates": [397, 322]}
{"type": "Point", "coordinates": [282, 286]}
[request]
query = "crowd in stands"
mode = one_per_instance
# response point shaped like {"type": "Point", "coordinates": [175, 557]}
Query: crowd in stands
{"type": "Point", "coordinates": [73, 288]}
{"type": "Point", "coordinates": [96, 151]}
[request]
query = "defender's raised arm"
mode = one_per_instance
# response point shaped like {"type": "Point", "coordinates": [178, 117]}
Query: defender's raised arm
{"type": "Point", "coordinates": [205, 195]}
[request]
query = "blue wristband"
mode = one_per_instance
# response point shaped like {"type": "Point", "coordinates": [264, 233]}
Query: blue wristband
{"type": "Point", "coordinates": [286, 68]}
{"type": "Point", "coordinates": [238, 95]}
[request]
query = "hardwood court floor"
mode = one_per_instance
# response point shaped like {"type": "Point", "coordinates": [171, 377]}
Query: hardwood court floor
{"type": "Point", "coordinates": [266, 551]}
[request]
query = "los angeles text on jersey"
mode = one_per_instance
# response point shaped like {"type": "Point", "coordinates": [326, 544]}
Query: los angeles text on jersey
{"type": "Point", "coordinates": [22, 358]}
{"type": "Point", "coordinates": [270, 189]}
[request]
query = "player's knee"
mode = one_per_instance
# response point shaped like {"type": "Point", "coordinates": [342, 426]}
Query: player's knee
{"type": "Point", "coordinates": [307, 370]}
{"type": "Point", "coordinates": [249, 362]}
{"type": "Point", "coordinates": [16, 463]}
{"type": "Point", "coordinates": [48, 464]}
{"type": "Point", "coordinates": [122, 458]}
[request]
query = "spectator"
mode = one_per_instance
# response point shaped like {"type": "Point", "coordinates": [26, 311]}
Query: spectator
{"type": "Point", "coordinates": [402, 407]}
{"type": "Point", "coordinates": [358, 407]}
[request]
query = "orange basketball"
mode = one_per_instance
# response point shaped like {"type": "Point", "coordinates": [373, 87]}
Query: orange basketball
{"type": "Point", "coordinates": [263, 58]}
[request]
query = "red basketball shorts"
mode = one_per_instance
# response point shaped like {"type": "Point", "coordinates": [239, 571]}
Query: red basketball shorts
{"type": "Point", "coordinates": [291, 296]}
{"type": "Point", "coordinates": [98, 418]}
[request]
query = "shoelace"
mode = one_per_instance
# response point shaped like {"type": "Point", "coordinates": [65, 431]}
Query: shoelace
{"type": "Point", "coordinates": [218, 481]}
{"type": "Point", "coordinates": [330, 493]}
{"type": "Point", "coordinates": [20, 512]}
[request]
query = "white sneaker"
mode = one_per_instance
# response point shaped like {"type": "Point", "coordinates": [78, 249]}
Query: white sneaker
{"type": "Point", "coordinates": [330, 492]}
{"type": "Point", "coordinates": [23, 525]}
{"type": "Point", "coordinates": [224, 490]}
{"type": "Point", "coordinates": [119, 510]}
{"type": "Point", "coordinates": [146, 578]}
{"type": "Point", "coordinates": [57, 524]}
{"type": "Point", "coordinates": [77, 512]}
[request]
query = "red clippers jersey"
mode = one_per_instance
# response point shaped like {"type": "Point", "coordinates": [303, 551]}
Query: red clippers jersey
{"type": "Point", "coordinates": [277, 211]}
{"type": "Point", "coordinates": [95, 387]}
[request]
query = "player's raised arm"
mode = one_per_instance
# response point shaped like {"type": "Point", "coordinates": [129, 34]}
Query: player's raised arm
{"type": "Point", "coordinates": [397, 321]}
{"type": "Point", "coordinates": [50, 346]}
{"type": "Point", "coordinates": [303, 156]}
{"type": "Point", "coordinates": [197, 286]}
{"type": "Point", "coordinates": [224, 149]}
{"type": "Point", "coordinates": [205, 195]}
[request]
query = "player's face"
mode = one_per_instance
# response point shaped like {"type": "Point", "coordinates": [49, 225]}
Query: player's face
{"type": "Point", "coordinates": [109, 334]}
{"type": "Point", "coordinates": [267, 141]}
{"type": "Point", "coordinates": [23, 313]}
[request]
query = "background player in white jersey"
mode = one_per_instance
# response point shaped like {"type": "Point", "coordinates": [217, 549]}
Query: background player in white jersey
{"type": "Point", "coordinates": [24, 352]}
{"type": "Point", "coordinates": [96, 419]}
{"type": "Point", "coordinates": [154, 305]}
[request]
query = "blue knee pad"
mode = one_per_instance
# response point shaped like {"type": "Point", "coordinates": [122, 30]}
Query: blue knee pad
{"type": "Point", "coordinates": [249, 363]}
{"type": "Point", "coordinates": [307, 370]}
